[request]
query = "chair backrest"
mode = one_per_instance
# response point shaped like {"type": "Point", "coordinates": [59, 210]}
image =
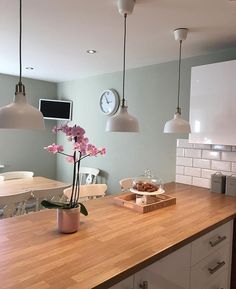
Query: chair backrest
{"type": "Point", "coordinates": [88, 175]}
{"type": "Point", "coordinates": [52, 194]}
{"type": "Point", "coordinates": [126, 184]}
{"type": "Point", "coordinates": [17, 175]}
{"type": "Point", "coordinates": [14, 205]}
{"type": "Point", "coordinates": [87, 192]}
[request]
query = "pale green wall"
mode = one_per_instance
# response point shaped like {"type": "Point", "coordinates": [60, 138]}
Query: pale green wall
{"type": "Point", "coordinates": [23, 149]}
{"type": "Point", "coordinates": [151, 92]}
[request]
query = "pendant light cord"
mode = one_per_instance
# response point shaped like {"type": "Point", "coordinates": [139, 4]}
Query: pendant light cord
{"type": "Point", "coordinates": [124, 58]}
{"type": "Point", "coordinates": [180, 56]}
{"type": "Point", "coordinates": [20, 36]}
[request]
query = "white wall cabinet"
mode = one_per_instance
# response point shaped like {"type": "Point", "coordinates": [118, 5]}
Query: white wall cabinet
{"type": "Point", "coordinates": [203, 264]}
{"type": "Point", "coordinates": [212, 104]}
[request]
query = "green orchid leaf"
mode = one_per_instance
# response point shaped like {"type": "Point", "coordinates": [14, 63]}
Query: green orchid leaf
{"type": "Point", "coordinates": [83, 209]}
{"type": "Point", "coordinates": [66, 206]}
{"type": "Point", "coordinates": [54, 205]}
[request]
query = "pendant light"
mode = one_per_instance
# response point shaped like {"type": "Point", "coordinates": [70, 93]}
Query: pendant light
{"type": "Point", "coordinates": [19, 114]}
{"type": "Point", "coordinates": [178, 124]}
{"type": "Point", "coordinates": [123, 121]}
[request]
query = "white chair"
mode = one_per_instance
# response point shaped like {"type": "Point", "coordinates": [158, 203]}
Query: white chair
{"type": "Point", "coordinates": [88, 192]}
{"type": "Point", "coordinates": [13, 205]}
{"type": "Point", "coordinates": [126, 184]}
{"type": "Point", "coordinates": [17, 175]}
{"type": "Point", "coordinates": [50, 194]}
{"type": "Point", "coordinates": [88, 175]}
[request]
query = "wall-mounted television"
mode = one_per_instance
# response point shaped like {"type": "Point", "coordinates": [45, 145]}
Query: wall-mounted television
{"type": "Point", "coordinates": [56, 109]}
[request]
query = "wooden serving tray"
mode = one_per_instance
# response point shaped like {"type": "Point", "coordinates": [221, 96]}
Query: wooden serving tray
{"type": "Point", "coordinates": [158, 202]}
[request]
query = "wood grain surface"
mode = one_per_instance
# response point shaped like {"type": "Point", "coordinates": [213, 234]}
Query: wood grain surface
{"type": "Point", "coordinates": [16, 186]}
{"type": "Point", "coordinates": [113, 242]}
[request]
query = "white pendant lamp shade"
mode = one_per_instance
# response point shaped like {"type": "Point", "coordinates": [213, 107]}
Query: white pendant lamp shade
{"type": "Point", "coordinates": [177, 125]}
{"type": "Point", "coordinates": [122, 122]}
{"type": "Point", "coordinates": [20, 114]}
{"type": "Point", "coordinates": [125, 6]}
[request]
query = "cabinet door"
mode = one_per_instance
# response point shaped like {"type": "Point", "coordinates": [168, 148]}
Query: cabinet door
{"type": "Point", "coordinates": [171, 272]}
{"type": "Point", "coordinates": [212, 104]}
{"type": "Point", "coordinates": [124, 284]}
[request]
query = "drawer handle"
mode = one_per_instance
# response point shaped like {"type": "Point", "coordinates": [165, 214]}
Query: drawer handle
{"type": "Point", "coordinates": [217, 267]}
{"type": "Point", "coordinates": [144, 285]}
{"type": "Point", "coordinates": [217, 241]}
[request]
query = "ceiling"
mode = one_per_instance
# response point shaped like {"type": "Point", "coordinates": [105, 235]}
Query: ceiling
{"type": "Point", "coordinates": [57, 33]}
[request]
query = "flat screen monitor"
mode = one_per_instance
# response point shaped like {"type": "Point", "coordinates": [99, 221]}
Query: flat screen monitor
{"type": "Point", "coordinates": [56, 109]}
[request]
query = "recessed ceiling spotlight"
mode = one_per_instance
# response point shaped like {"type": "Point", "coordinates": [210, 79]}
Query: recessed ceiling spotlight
{"type": "Point", "coordinates": [91, 51]}
{"type": "Point", "coordinates": [29, 68]}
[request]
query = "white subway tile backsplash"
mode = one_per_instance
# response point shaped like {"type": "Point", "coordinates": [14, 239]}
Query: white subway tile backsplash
{"type": "Point", "coordinates": [179, 170]}
{"type": "Point", "coordinates": [180, 161]}
{"type": "Point", "coordinates": [207, 173]}
{"type": "Point", "coordinates": [183, 179]}
{"type": "Point", "coordinates": [202, 146]}
{"type": "Point", "coordinates": [194, 172]}
{"type": "Point", "coordinates": [183, 143]}
{"type": "Point", "coordinates": [234, 167]}
{"type": "Point", "coordinates": [200, 182]}
{"type": "Point", "coordinates": [192, 153]}
{"type": "Point", "coordinates": [180, 152]}
{"type": "Point", "coordinates": [221, 166]}
{"type": "Point", "coordinates": [211, 155]}
{"type": "Point", "coordinates": [195, 163]}
{"type": "Point", "coordinates": [201, 163]}
{"type": "Point", "coordinates": [221, 148]}
{"type": "Point", "coordinates": [228, 156]}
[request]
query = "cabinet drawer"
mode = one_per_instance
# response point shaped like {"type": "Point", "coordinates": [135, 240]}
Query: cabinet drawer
{"type": "Point", "coordinates": [124, 284]}
{"type": "Point", "coordinates": [211, 242]}
{"type": "Point", "coordinates": [210, 268]}
{"type": "Point", "coordinates": [221, 282]}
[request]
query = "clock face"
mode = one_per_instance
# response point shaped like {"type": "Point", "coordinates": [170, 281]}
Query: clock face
{"type": "Point", "coordinates": [109, 101]}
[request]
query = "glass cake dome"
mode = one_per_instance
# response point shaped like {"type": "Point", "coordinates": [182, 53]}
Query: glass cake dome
{"type": "Point", "coordinates": [147, 184]}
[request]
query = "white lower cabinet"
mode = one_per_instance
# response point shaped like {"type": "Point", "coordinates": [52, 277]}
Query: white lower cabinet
{"type": "Point", "coordinates": [207, 270]}
{"type": "Point", "coordinates": [203, 264]}
{"type": "Point", "coordinates": [220, 282]}
{"type": "Point", "coordinates": [171, 272]}
{"type": "Point", "coordinates": [125, 284]}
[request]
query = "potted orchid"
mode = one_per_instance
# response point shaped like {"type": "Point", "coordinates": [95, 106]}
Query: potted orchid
{"type": "Point", "coordinates": [81, 150]}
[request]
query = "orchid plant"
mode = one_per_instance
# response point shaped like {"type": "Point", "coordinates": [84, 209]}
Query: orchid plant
{"type": "Point", "coordinates": [81, 150]}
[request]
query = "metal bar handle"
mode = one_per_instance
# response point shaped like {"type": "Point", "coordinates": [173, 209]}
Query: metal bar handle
{"type": "Point", "coordinates": [217, 267]}
{"type": "Point", "coordinates": [144, 285]}
{"type": "Point", "coordinates": [217, 241]}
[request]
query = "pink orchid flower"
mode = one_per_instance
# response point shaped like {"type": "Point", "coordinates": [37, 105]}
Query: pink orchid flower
{"type": "Point", "coordinates": [54, 148]}
{"type": "Point", "coordinates": [81, 143]}
{"type": "Point", "coordinates": [70, 159]}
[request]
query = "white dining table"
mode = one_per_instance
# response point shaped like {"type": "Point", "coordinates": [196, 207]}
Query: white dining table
{"type": "Point", "coordinates": [17, 186]}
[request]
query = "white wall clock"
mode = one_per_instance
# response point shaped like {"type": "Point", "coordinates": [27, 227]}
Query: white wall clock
{"type": "Point", "coordinates": [109, 101]}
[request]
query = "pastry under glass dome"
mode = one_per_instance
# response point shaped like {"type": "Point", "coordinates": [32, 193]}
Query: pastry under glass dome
{"type": "Point", "coordinates": [147, 185]}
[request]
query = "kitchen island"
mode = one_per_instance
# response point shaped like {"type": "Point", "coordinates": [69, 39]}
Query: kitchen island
{"type": "Point", "coordinates": [113, 242]}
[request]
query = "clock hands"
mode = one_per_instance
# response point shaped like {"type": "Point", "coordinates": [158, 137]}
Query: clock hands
{"type": "Point", "coordinates": [107, 100]}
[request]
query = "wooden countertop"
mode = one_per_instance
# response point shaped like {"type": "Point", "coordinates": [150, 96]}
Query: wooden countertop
{"type": "Point", "coordinates": [112, 243]}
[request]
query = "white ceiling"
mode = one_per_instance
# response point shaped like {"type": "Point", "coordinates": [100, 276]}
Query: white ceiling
{"type": "Point", "coordinates": [57, 33]}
